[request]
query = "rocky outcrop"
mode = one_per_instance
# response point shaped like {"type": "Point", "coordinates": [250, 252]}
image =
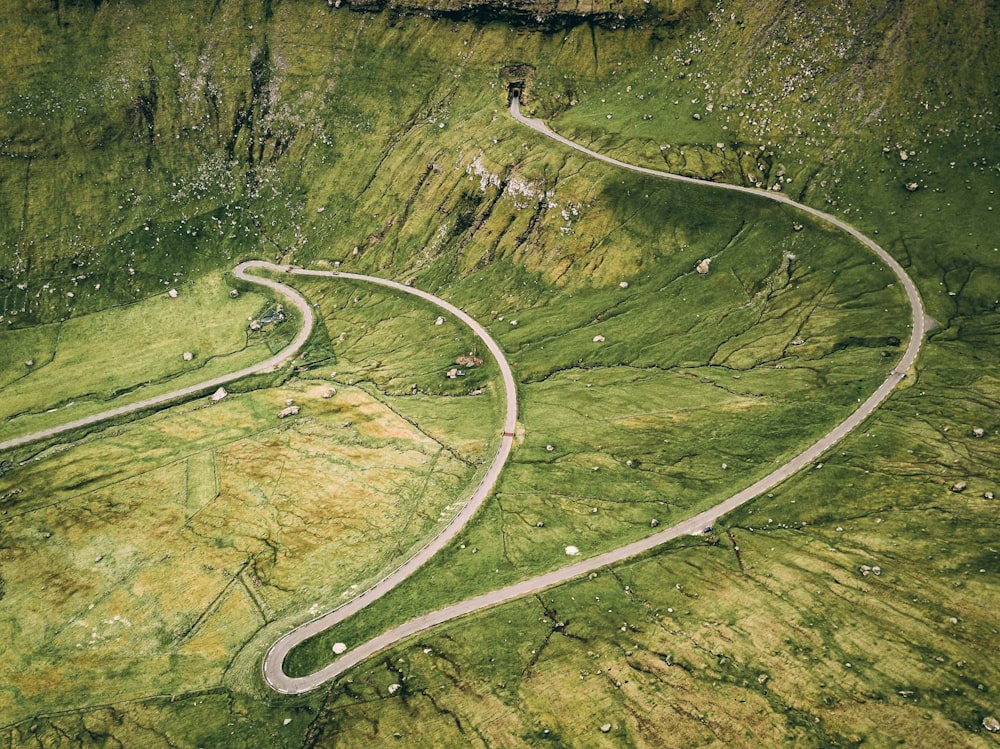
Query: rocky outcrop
{"type": "Point", "coordinates": [616, 14]}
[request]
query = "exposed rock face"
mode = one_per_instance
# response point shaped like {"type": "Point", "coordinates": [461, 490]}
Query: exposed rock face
{"type": "Point", "coordinates": [289, 411]}
{"type": "Point", "coordinates": [703, 266]}
{"type": "Point", "coordinates": [219, 394]}
{"type": "Point", "coordinates": [546, 16]}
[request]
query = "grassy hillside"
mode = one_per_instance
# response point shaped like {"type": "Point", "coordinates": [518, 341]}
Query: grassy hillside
{"type": "Point", "coordinates": [147, 147]}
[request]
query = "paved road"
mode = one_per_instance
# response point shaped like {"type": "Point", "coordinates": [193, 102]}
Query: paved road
{"type": "Point", "coordinates": [202, 387]}
{"type": "Point", "coordinates": [920, 324]}
{"type": "Point", "coordinates": [272, 666]}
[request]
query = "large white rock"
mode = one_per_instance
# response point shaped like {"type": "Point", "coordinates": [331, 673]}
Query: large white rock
{"type": "Point", "coordinates": [339, 647]}
{"type": "Point", "coordinates": [219, 394]}
{"type": "Point", "coordinates": [572, 551]}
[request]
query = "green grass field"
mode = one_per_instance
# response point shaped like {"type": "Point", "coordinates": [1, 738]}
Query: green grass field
{"type": "Point", "coordinates": [146, 566]}
{"type": "Point", "coordinates": [101, 360]}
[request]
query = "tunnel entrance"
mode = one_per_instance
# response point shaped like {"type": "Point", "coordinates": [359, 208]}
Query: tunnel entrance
{"type": "Point", "coordinates": [517, 78]}
{"type": "Point", "coordinates": [515, 90]}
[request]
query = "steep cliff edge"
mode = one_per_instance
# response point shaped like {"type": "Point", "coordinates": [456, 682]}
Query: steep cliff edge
{"type": "Point", "coordinates": [539, 14]}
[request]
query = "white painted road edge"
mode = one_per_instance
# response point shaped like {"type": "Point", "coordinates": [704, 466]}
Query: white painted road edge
{"type": "Point", "coordinates": [696, 525]}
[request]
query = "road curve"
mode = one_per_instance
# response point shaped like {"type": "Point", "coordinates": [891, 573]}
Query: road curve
{"type": "Point", "coordinates": [695, 525]}
{"type": "Point", "coordinates": [272, 667]}
{"type": "Point", "coordinates": [240, 271]}
{"type": "Point", "coordinates": [272, 664]}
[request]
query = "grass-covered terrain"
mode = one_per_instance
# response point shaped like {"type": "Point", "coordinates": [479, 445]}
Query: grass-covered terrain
{"type": "Point", "coordinates": [210, 521]}
{"type": "Point", "coordinates": [144, 148]}
{"type": "Point", "coordinates": [62, 371]}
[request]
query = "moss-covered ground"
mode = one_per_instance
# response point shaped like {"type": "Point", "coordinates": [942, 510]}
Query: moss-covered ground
{"type": "Point", "coordinates": [146, 566]}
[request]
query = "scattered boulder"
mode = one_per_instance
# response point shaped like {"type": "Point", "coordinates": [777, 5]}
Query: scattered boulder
{"type": "Point", "coordinates": [187, 356]}
{"type": "Point", "coordinates": [452, 373]}
{"type": "Point", "coordinates": [606, 728]}
{"type": "Point", "coordinates": [991, 724]}
{"type": "Point", "coordinates": [289, 411]}
{"type": "Point", "coordinates": [797, 227]}
{"type": "Point", "coordinates": [330, 393]}
{"type": "Point", "coordinates": [911, 186]}
{"type": "Point", "coordinates": [219, 394]}
{"type": "Point", "coordinates": [959, 486]}
{"type": "Point", "coordinates": [623, 285]}
{"type": "Point", "coordinates": [572, 551]}
{"type": "Point", "coordinates": [696, 116]}
{"type": "Point", "coordinates": [289, 401]}
{"type": "Point", "coordinates": [598, 339]}
{"type": "Point", "coordinates": [339, 647]}
{"type": "Point", "coordinates": [233, 293]}
{"type": "Point", "coordinates": [549, 448]}
{"type": "Point", "coordinates": [978, 432]}
{"type": "Point", "coordinates": [653, 523]}
{"type": "Point", "coordinates": [903, 155]}
{"type": "Point", "coordinates": [393, 688]}
{"type": "Point", "coordinates": [703, 266]}
{"type": "Point", "coordinates": [987, 495]}
{"type": "Point", "coordinates": [29, 363]}
{"type": "Point", "coordinates": [286, 721]}
{"type": "Point", "coordinates": [172, 293]}
{"type": "Point", "coordinates": [439, 321]}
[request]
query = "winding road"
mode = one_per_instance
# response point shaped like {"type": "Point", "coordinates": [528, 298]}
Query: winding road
{"type": "Point", "coordinates": [920, 324]}
{"type": "Point", "coordinates": [272, 666]}
{"type": "Point", "coordinates": [240, 271]}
